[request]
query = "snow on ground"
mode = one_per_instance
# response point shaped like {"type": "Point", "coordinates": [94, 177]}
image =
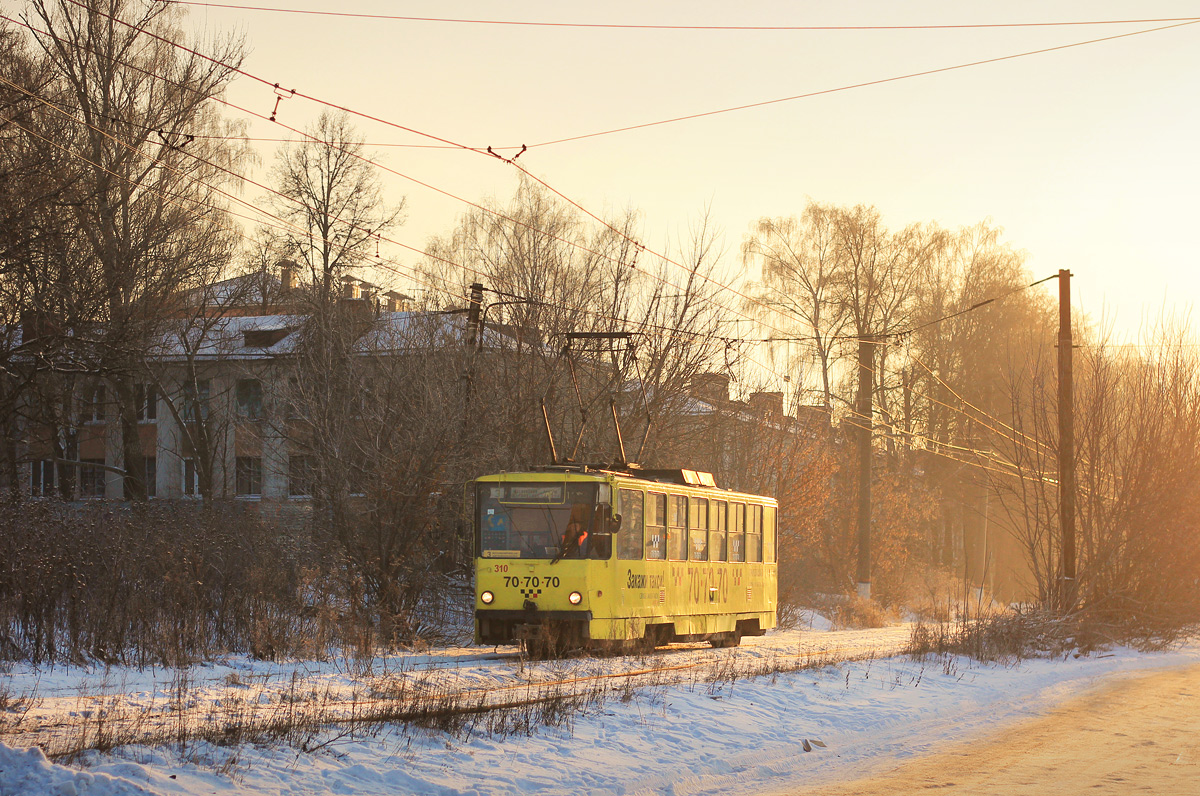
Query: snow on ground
{"type": "Point", "coordinates": [703, 731]}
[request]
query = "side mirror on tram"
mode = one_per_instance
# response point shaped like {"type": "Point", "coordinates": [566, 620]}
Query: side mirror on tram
{"type": "Point", "coordinates": [614, 524]}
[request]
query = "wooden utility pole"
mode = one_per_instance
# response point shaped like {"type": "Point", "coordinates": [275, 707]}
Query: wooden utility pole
{"type": "Point", "coordinates": [866, 389]}
{"type": "Point", "coordinates": [1066, 442]}
{"type": "Point", "coordinates": [474, 339]}
{"type": "Point", "coordinates": [474, 308]}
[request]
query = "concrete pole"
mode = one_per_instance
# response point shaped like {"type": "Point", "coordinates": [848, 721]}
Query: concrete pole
{"type": "Point", "coordinates": [866, 389]}
{"type": "Point", "coordinates": [1066, 442]}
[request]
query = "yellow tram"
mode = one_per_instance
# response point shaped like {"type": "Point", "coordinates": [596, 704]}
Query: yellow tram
{"type": "Point", "coordinates": [572, 556]}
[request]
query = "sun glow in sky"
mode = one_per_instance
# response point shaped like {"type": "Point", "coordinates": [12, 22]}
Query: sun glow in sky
{"type": "Point", "coordinates": [1087, 157]}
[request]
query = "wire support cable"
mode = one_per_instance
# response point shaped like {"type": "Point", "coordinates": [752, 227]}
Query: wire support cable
{"type": "Point", "coordinates": [851, 86]}
{"type": "Point", "coordinates": [645, 26]}
{"type": "Point", "coordinates": [512, 161]}
{"type": "Point", "coordinates": [762, 365]}
{"type": "Point", "coordinates": [284, 225]}
{"type": "Point", "coordinates": [641, 247]}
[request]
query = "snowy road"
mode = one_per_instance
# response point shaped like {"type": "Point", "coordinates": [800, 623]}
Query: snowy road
{"type": "Point", "coordinates": [1139, 734]}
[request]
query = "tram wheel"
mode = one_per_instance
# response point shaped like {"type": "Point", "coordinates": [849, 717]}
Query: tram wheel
{"type": "Point", "coordinates": [730, 639]}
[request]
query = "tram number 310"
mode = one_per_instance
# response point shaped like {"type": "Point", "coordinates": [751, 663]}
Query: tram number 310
{"type": "Point", "coordinates": [532, 581]}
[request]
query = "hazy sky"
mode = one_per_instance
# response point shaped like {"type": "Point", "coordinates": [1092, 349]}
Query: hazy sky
{"type": "Point", "coordinates": [1087, 157]}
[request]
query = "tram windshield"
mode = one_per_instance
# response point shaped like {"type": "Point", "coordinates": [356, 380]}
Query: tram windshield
{"type": "Point", "coordinates": [539, 519]}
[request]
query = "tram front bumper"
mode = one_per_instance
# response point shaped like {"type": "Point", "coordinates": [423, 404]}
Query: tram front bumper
{"type": "Point", "coordinates": [507, 626]}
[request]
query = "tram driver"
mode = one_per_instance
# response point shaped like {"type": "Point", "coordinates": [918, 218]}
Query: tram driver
{"type": "Point", "coordinates": [582, 539]}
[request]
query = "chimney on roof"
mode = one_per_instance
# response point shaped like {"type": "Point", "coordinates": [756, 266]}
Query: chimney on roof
{"type": "Point", "coordinates": [395, 302]}
{"type": "Point", "coordinates": [767, 403]}
{"type": "Point", "coordinates": [368, 293]}
{"type": "Point", "coordinates": [711, 387]}
{"type": "Point", "coordinates": [37, 324]}
{"type": "Point", "coordinates": [287, 274]}
{"type": "Point", "coordinates": [815, 416]}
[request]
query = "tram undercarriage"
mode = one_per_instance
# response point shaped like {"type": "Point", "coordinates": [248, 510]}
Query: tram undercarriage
{"type": "Point", "coordinates": [548, 633]}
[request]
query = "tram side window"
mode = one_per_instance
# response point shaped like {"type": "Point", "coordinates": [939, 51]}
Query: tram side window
{"type": "Point", "coordinates": [698, 529]}
{"type": "Point", "coordinates": [656, 527]}
{"type": "Point", "coordinates": [754, 527]}
{"type": "Point", "coordinates": [737, 532]}
{"type": "Point", "coordinates": [718, 513]}
{"type": "Point", "coordinates": [677, 506]}
{"type": "Point", "coordinates": [769, 534]}
{"type": "Point", "coordinates": [630, 534]}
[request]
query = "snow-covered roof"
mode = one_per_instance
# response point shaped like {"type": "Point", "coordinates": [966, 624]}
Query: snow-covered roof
{"type": "Point", "coordinates": [245, 337]}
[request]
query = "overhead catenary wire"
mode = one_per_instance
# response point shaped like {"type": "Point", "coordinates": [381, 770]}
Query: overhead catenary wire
{"type": "Point", "coordinates": [848, 87]}
{"type": "Point", "coordinates": [972, 308]}
{"type": "Point", "coordinates": [1187, 21]}
{"type": "Point", "coordinates": [967, 403]}
{"type": "Point", "coordinates": [489, 151]}
{"type": "Point", "coordinates": [851, 414]}
{"type": "Point", "coordinates": [679, 27]}
{"type": "Point", "coordinates": [283, 224]}
{"type": "Point", "coordinates": [1019, 473]}
{"type": "Point", "coordinates": [238, 70]}
{"type": "Point", "coordinates": [931, 442]}
{"type": "Point", "coordinates": [1014, 439]}
{"type": "Point", "coordinates": [762, 365]}
{"type": "Point", "coordinates": [719, 285]}
{"type": "Point", "coordinates": [644, 325]}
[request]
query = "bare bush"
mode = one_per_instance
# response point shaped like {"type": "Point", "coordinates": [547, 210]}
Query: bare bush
{"type": "Point", "coordinates": [152, 584]}
{"type": "Point", "coordinates": [1004, 636]}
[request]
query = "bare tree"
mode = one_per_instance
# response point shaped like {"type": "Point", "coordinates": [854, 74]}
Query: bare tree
{"type": "Point", "coordinates": [145, 199]}
{"type": "Point", "coordinates": [332, 198]}
{"type": "Point", "coordinates": [554, 272]}
{"type": "Point", "coordinates": [800, 273]}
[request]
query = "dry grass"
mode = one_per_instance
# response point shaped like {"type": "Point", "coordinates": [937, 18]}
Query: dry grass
{"type": "Point", "coordinates": [856, 613]}
{"type": "Point", "coordinates": [1003, 636]}
{"type": "Point", "coordinates": [307, 716]}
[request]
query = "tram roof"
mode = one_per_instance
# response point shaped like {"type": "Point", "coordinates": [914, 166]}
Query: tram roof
{"type": "Point", "coordinates": [683, 477]}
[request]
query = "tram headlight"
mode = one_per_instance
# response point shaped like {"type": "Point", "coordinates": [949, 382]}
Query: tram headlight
{"type": "Point", "coordinates": [575, 598]}
{"type": "Point", "coordinates": [486, 598]}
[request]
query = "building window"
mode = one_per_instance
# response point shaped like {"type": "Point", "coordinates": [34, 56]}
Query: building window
{"type": "Point", "coordinates": [93, 404]}
{"type": "Point", "coordinates": [91, 478]}
{"type": "Point", "coordinates": [294, 398]}
{"type": "Point", "coordinates": [195, 400]}
{"type": "Point", "coordinates": [151, 476]}
{"type": "Point", "coordinates": [191, 484]}
{"type": "Point", "coordinates": [356, 480]}
{"type": "Point", "coordinates": [301, 470]}
{"type": "Point", "coordinates": [41, 478]}
{"type": "Point", "coordinates": [249, 399]}
{"type": "Point", "coordinates": [145, 398]}
{"type": "Point", "coordinates": [249, 476]}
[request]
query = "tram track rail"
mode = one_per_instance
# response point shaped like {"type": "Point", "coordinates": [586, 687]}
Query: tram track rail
{"type": "Point", "coordinates": [432, 692]}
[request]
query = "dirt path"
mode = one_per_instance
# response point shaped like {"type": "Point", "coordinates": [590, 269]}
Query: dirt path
{"type": "Point", "coordinates": [1138, 735]}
